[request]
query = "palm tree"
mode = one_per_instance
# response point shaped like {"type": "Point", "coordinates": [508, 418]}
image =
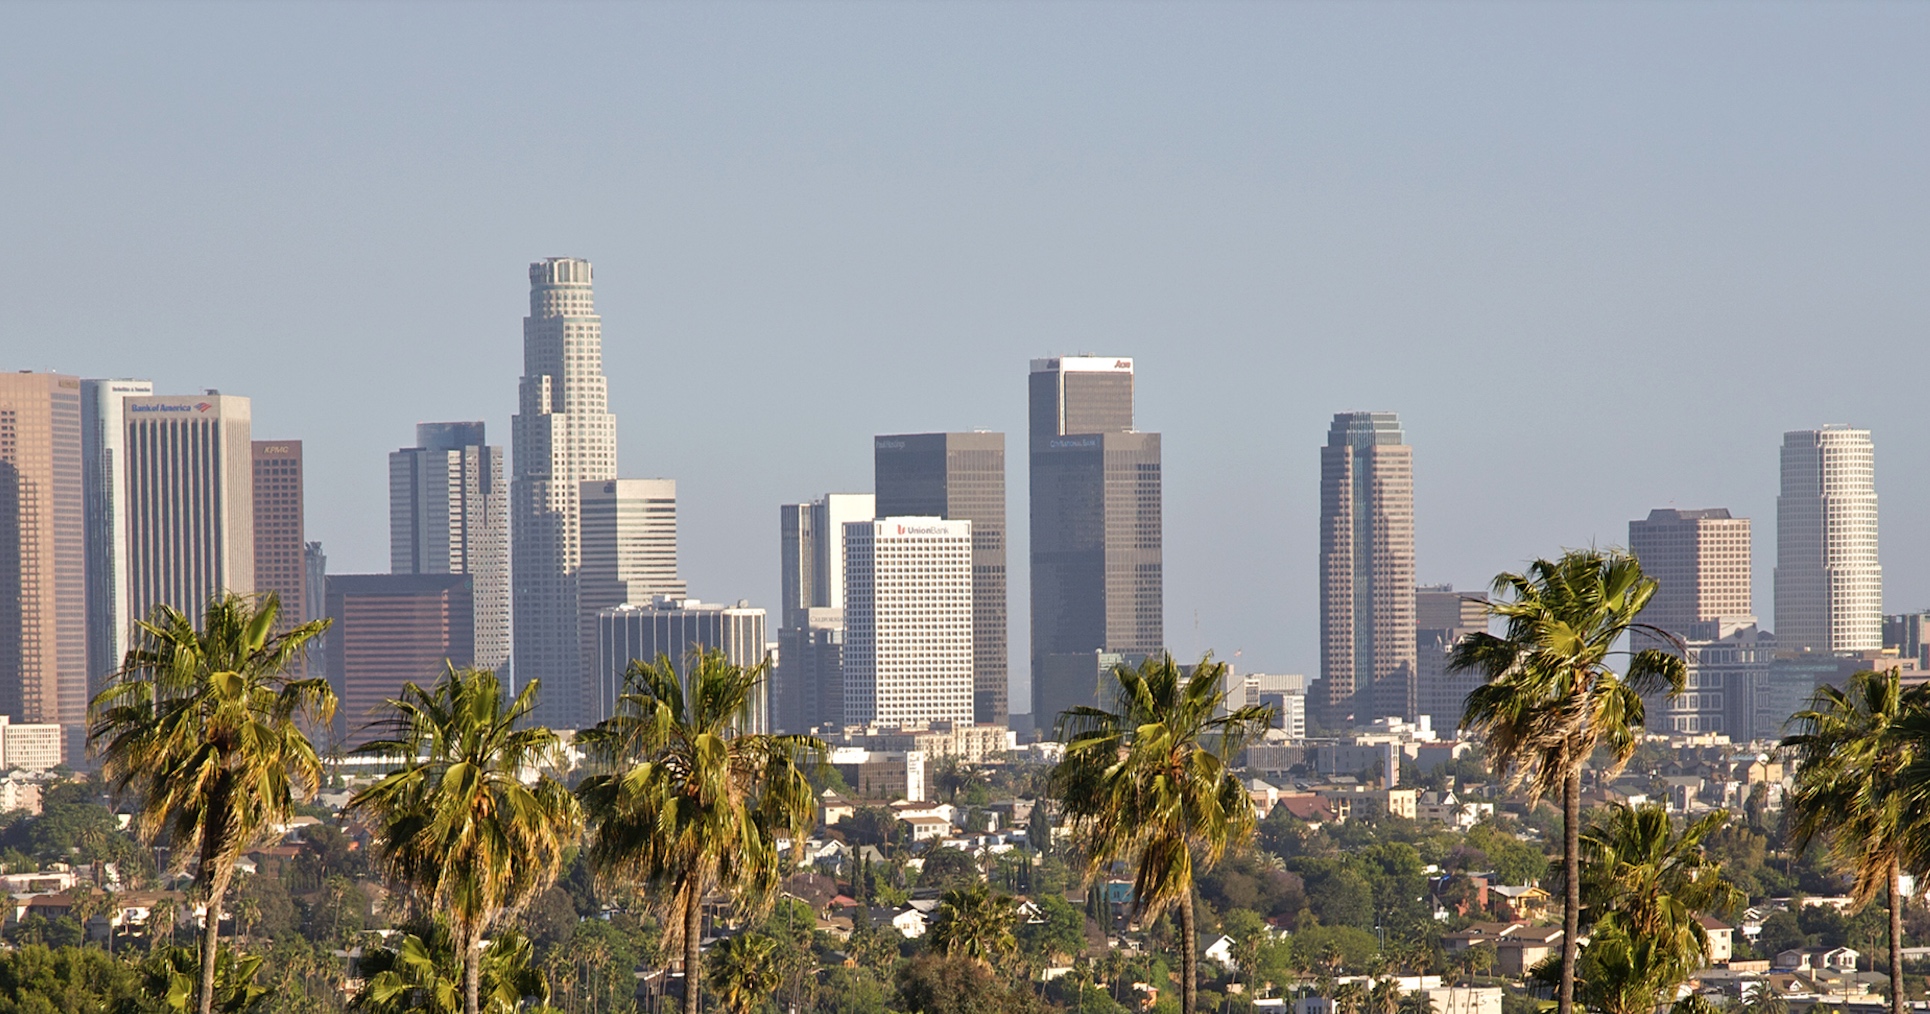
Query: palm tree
{"type": "Point", "coordinates": [745, 971]}
{"type": "Point", "coordinates": [421, 974]}
{"type": "Point", "coordinates": [688, 799]}
{"type": "Point", "coordinates": [1152, 785]}
{"type": "Point", "coordinates": [456, 824]}
{"type": "Point", "coordinates": [1550, 698]}
{"type": "Point", "coordinates": [204, 729]}
{"type": "Point", "coordinates": [1622, 973]}
{"type": "Point", "coordinates": [976, 923]}
{"type": "Point", "coordinates": [1854, 748]}
{"type": "Point", "coordinates": [1652, 883]}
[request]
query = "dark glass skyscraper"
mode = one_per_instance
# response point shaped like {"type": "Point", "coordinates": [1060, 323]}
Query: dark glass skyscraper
{"type": "Point", "coordinates": [959, 477]}
{"type": "Point", "coordinates": [1097, 568]}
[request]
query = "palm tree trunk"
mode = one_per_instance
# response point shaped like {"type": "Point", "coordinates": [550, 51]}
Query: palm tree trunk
{"type": "Point", "coordinates": [693, 932]}
{"type": "Point", "coordinates": [1189, 958]}
{"type": "Point", "coordinates": [211, 933]}
{"type": "Point", "coordinates": [1896, 937]}
{"type": "Point", "coordinates": [1571, 898]}
{"type": "Point", "coordinates": [471, 973]}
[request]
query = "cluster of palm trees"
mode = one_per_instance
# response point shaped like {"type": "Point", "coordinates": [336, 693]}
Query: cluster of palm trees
{"type": "Point", "coordinates": [205, 732]}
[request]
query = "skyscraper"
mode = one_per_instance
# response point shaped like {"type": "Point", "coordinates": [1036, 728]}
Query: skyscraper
{"type": "Point", "coordinates": [1442, 617]}
{"type": "Point", "coordinates": [960, 477]}
{"type": "Point", "coordinates": [449, 514]}
{"type": "Point", "coordinates": [190, 501]}
{"type": "Point", "coordinates": [1366, 563]}
{"type": "Point", "coordinates": [629, 555]}
{"type": "Point", "coordinates": [1829, 587]}
{"type": "Point", "coordinates": [562, 436]}
{"type": "Point", "coordinates": [808, 686]}
{"type": "Point", "coordinates": [1097, 546]}
{"type": "Point", "coordinates": [391, 629]}
{"type": "Point", "coordinates": [674, 627]}
{"type": "Point", "coordinates": [279, 541]}
{"type": "Point", "coordinates": [1700, 562]}
{"type": "Point", "coordinates": [104, 483]}
{"type": "Point", "coordinates": [43, 554]}
{"type": "Point", "coordinates": [908, 621]}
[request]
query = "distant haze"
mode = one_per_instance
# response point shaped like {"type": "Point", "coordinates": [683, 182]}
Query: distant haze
{"type": "Point", "coordinates": [1598, 257]}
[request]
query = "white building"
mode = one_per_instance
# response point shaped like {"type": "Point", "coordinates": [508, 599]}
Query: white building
{"type": "Point", "coordinates": [1287, 692]}
{"type": "Point", "coordinates": [190, 501]}
{"type": "Point", "coordinates": [103, 428]}
{"type": "Point", "coordinates": [675, 628]}
{"type": "Point", "coordinates": [629, 557]}
{"type": "Point", "coordinates": [449, 514]}
{"type": "Point", "coordinates": [1829, 587]}
{"type": "Point", "coordinates": [908, 621]}
{"type": "Point", "coordinates": [30, 746]}
{"type": "Point", "coordinates": [561, 436]}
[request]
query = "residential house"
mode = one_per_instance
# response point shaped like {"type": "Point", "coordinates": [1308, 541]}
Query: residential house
{"type": "Point", "coordinates": [1522, 901]}
{"type": "Point", "coordinates": [1721, 940]}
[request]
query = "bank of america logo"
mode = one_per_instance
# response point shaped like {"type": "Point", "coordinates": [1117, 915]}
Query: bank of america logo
{"type": "Point", "coordinates": [203, 407]}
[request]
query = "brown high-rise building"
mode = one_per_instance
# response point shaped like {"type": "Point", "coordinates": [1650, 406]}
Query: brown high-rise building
{"type": "Point", "coordinates": [279, 541]}
{"type": "Point", "coordinates": [959, 477]}
{"type": "Point", "coordinates": [1366, 564]}
{"type": "Point", "coordinates": [43, 552]}
{"type": "Point", "coordinates": [1700, 561]}
{"type": "Point", "coordinates": [392, 629]}
{"type": "Point", "coordinates": [1098, 580]}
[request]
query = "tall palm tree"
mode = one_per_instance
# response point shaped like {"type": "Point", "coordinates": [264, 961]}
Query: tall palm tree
{"type": "Point", "coordinates": [688, 799]}
{"type": "Point", "coordinates": [456, 823]}
{"type": "Point", "coordinates": [1152, 785]}
{"type": "Point", "coordinates": [745, 971]}
{"type": "Point", "coordinates": [975, 922]}
{"type": "Point", "coordinates": [203, 729]}
{"type": "Point", "coordinates": [1652, 883]}
{"type": "Point", "coordinates": [1854, 749]}
{"type": "Point", "coordinates": [1551, 698]}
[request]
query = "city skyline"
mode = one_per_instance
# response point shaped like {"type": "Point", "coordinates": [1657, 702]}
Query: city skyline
{"type": "Point", "coordinates": [1252, 202]}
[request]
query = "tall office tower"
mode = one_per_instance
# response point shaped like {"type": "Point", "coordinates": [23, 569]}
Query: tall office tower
{"type": "Point", "coordinates": [908, 621]}
{"type": "Point", "coordinates": [1700, 562]}
{"type": "Point", "coordinates": [392, 629]}
{"type": "Point", "coordinates": [1905, 633]}
{"type": "Point", "coordinates": [1366, 563]}
{"type": "Point", "coordinates": [103, 432]}
{"type": "Point", "coordinates": [280, 545]}
{"type": "Point", "coordinates": [808, 686]}
{"type": "Point", "coordinates": [629, 554]}
{"type": "Point", "coordinates": [43, 554]}
{"type": "Point", "coordinates": [315, 599]}
{"type": "Point", "coordinates": [562, 436]}
{"type": "Point", "coordinates": [190, 501]}
{"type": "Point", "coordinates": [1829, 587]}
{"type": "Point", "coordinates": [960, 477]}
{"type": "Point", "coordinates": [675, 627]}
{"type": "Point", "coordinates": [1442, 617]}
{"type": "Point", "coordinates": [1097, 547]}
{"type": "Point", "coordinates": [449, 514]}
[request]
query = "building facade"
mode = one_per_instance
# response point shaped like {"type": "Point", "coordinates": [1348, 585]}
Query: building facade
{"type": "Point", "coordinates": [449, 514]}
{"type": "Point", "coordinates": [1829, 586]}
{"type": "Point", "coordinates": [104, 484]}
{"type": "Point", "coordinates": [43, 554]}
{"type": "Point", "coordinates": [280, 541]}
{"type": "Point", "coordinates": [629, 556]}
{"type": "Point", "coordinates": [808, 685]}
{"type": "Point", "coordinates": [959, 477]}
{"type": "Point", "coordinates": [1366, 564]}
{"type": "Point", "coordinates": [1700, 562]}
{"type": "Point", "coordinates": [562, 436]}
{"type": "Point", "coordinates": [1097, 549]}
{"type": "Point", "coordinates": [190, 501]}
{"type": "Point", "coordinates": [1442, 617]}
{"type": "Point", "coordinates": [908, 621]}
{"type": "Point", "coordinates": [675, 628]}
{"type": "Point", "coordinates": [388, 630]}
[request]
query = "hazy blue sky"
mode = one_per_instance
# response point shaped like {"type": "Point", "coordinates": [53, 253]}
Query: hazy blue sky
{"type": "Point", "coordinates": [1598, 257]}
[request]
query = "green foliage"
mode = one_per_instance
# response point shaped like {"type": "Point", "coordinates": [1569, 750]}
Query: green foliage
{"type": "Point", "coordinates": [974, 922]}
{"type": "Point", "coordinates": [936, 984]}
{"type": "Point", "coordinates": [1512, 860]}
{"type": "Point", "coordinates": [1060, 932]}
{"type": "Point", "coordinates": [744, 971]}
{"type": "Point", "coordinates": [947, 868]}
{"type": "Point", "coordinates": [1338, 948]}
{"type": "Point", "coordinates": [422, 974]}
{"type": "Point", "coordinates": [170, 975]}
{"type": "Point", "coordinates": [36, 979]}
{"type": "Point", "coordinates": [1247, 880]}
{"type": "Point", "coordinates": [853, 991]}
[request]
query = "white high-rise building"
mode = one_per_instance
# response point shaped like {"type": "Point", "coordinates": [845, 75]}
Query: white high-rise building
{"type": "Point", "coordinates": [562, 436]}
{"type": "Point", "coordinates": [629, 557]}
{"type": "Point", "coordinates": [190, 501]}
{"type": "Point", "coordinates": [675, 628]}
{"type": "Point", "coordinates": [449, 514]}
{"type": "Point", "coordinates": [104, 484]}
{"type": "Point", "coordinates": [908, 621]}
{"type": "Point", "coordinates": [1829, 587]}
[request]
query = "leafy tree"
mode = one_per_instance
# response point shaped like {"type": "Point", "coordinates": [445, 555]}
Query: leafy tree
{"type": "Point", "coordinates": [870, 825]}
{"type": "Point", "coordinates": [687, 800]}
{"type": "Point", "coordinates": [946, 868]}
{"type": "Point", "coordinates": [37, 979]}
{"type": "Point", "coordinates": [170, 975]}
{"type": "Point", "coordinates": [202, 730]}
{"type": "Point", "coordinates": [456, 824]}
{"type": "Point", "coordinates": [1152, 785]}
{"type": "Point", "coordinates": [1339, 947]}
{"type": "Point", "coordinates": [973, 922]}
{"type": "Point", "coordinates": [1550, 698]}
{"type": "Point", "coordinates": [423, 974]}
{"type": "Point", "coordinates": [852, 991]}
{"type": "Point", "coordinates": [1059, 933]}
{"type": "Point", "coordinates": [936, 984]}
